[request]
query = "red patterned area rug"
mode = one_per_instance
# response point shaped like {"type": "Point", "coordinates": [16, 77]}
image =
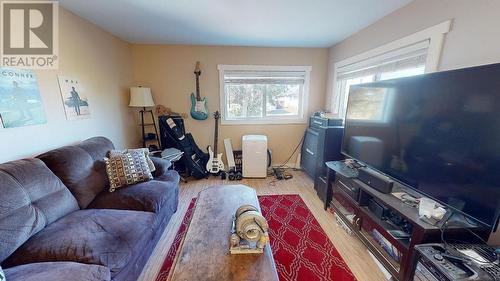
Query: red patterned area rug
{"type": "Point", "coordinates": [301, 249]}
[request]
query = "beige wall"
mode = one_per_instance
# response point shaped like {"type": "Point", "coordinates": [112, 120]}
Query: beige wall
{"type": "Point", "coordinates": [473, 40]}
{"type": "Point", "coordinates": [168, 70]}
{"type": "Point", "coordinates": [102, 63]}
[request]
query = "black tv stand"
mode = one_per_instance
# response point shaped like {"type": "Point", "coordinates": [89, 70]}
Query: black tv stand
{"type": "Point", "coordinates": [397, 224]}
{"type": "Point", "coordinates": [342, 168]}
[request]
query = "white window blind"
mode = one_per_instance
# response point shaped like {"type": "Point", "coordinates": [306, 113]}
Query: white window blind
{"type": "Point", "coordinates": [264, 77]}
{"type": "Point", "coordinates": [403, 62]}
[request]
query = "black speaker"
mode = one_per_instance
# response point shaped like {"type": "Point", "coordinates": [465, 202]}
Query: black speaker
{"type": "Point", "coordinates": [376, 180]}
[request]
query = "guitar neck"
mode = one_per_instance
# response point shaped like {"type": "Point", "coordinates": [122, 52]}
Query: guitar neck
{"type": "Point", "coordinates": [198, 95]}
{"type": "Point", "coordinates": [216, 135]}
{"type": "Point", "coordinates": [197, 73]}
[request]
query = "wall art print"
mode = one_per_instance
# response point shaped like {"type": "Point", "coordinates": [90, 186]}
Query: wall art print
{"type": "Point", "coordinates": [76, 104]}
{"type": "Point", "coordinates": [20, 100]}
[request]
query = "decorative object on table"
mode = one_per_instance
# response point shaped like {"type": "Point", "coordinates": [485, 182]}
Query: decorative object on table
{"type": "Point", "coordinates": [142, 97]}
{"type": "Point", "coordinates": [127, 168]}
{"type": "Point", "coordinates": [249, 232]}
{"type": "Point", "coordinates": [76, 103]}
{"type": "Point", "coordinates": [173, 134]}
{"type": "Point", "coordinates": [199, 107]}
{"type": "Point", "coordinates": [215, 164]}
{"type": "Point", "coordinates": [20, 101]}
{"type": "Point", "coordinates": [162, 110]}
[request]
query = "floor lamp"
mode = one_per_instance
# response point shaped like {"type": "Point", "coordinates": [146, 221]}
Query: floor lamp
{"type": "Point", "coordinates": [141, 97]}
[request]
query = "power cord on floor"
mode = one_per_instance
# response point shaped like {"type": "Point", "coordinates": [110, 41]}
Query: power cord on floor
{"type": "Point", "coordinates": [293, 153]}
{"type": "Point", "coordinates": [280, 171]}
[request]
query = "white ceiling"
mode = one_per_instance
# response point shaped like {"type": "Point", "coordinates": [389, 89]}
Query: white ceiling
{"type": "Point", "coordinates": [283, 23]}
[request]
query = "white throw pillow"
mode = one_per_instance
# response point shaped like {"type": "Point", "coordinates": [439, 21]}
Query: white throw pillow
{"type": "Point", "coordinates": [2, 275]}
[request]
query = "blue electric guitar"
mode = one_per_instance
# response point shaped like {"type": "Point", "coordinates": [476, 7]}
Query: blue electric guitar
{"type": "Point", "coordinates": [199, 109]}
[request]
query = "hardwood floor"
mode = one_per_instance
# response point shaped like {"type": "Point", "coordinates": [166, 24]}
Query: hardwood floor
{"type": "Point", "coordinates": [352, 250]}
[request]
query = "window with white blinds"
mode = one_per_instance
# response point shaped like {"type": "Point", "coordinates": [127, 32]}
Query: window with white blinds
{"type": "Point", "coordinates": [403, 62]}
{"type": "Point", "coordinates": [263, 94]}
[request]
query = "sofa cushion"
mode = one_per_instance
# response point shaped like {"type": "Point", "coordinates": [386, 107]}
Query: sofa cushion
{"type": "Point", "coordinates": [161, 166]}
{"type": "Point", "coordinates": [58, 271]}
{"type": "Point", "coordinates": [81, 167]}
{"type": "Point", "coordinates": [144, 151]}
{"type": "Point", "coordinates": [128, 168]}
{"type": "Point", "coordinates": [31, 197]}
{"type": "Point", "coordinates": [151, 196]}
{"type": "Point", "coordinates": [112, 238]}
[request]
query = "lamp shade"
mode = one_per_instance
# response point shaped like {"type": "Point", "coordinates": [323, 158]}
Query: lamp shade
{"type": "Point", "coordinates": [141, 97]}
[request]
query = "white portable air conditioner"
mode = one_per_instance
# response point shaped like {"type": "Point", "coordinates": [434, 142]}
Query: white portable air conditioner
{"type": "Point", "coordinates": [254, 156]}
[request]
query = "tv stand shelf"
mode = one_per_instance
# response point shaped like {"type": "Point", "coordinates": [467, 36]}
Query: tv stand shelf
{"type": "Point", "coordinates": [351, 207]}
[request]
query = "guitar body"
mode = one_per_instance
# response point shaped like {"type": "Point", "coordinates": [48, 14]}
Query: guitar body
{"type": "Point", "coordinates": [214, 164]}
{"type": "Point", "coordinates": [199, 109]}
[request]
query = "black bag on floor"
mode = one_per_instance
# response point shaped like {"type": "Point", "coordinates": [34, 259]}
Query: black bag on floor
{"type": "Point", "coordinates": [173, 133]}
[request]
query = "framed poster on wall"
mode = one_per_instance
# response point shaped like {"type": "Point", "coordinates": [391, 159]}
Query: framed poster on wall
{"type": "Point", "coordinates": [20, 100]}
{"type": "Point", "coordinates": [76, 103]}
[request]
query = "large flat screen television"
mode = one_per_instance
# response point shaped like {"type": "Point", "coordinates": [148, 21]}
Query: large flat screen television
{"type": "Point", "coordinates": [438, 133]}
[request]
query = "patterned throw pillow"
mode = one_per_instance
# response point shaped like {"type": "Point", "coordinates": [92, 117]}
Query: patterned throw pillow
{"type": "Point", "coordinates": [2, 275]}
{"type": "Point", "coordinates": [151, 165]}
{"type": "Point", "coordinates": [126, 169]}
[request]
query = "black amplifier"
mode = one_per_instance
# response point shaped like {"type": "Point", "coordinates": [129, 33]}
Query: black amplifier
{"type": "Point", "coordinates": [317, 121]}
{"type": "Point", "coordinates": [456, 262]}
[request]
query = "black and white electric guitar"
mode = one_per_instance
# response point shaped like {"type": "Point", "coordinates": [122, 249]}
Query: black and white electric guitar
{"type": "Point", "coordinates": [215, 164]}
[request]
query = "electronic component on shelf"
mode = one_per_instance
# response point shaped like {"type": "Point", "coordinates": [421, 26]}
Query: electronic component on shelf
{"type": "Point", "coordinates": [399, 221]}
{"type": "Point", "coordinates": [348, 186]}
{"type": "Point", "coordinates": [399, 234]}
{"type": "Point", "coordinates": [375, 180]}
{"type": "Point", "coordinates": [378, 209]}
{"type": "Point", "coordinates": [457, 262]}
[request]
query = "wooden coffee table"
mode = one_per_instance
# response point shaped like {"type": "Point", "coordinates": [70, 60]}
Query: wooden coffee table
{"type": "Point", "coordinates": [204, 251]}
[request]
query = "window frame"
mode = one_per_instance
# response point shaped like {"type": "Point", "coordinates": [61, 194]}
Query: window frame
{"type": "Point", "coordinates": [435, 35]}
{"type": "Point", "coordinates": [301, 118]}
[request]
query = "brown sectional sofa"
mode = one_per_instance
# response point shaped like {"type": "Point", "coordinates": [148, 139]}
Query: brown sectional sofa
{"type": "Point", "coordinates": [58, 221]}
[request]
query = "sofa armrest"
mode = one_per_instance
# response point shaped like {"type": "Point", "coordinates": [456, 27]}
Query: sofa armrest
{"type": "Point", "coordinates": [161, 166]}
